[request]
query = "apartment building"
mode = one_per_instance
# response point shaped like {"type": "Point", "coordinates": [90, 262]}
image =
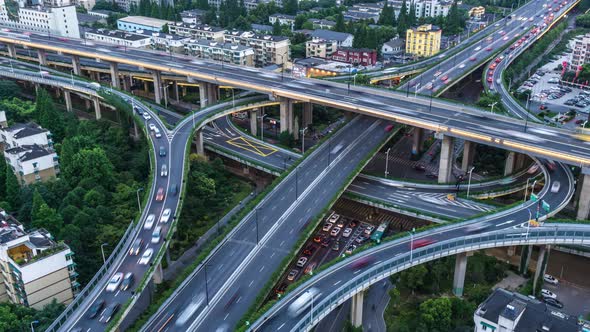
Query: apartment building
{"type": "Point", "coordinates": [249, 4]}
{"type": "Point", "coordinates": [192, 16]}
{"type": "Point", "coordinates": [581, 53]}
{"type": "Point", "coordinates": [477, 12]}
{"type": "Point", "coordinates": [283, 19]}
{"type": "Point", "coordinates": [320, 48]}
{"type": "Point", "coordinates": [432, 8]}
{"type": "Point", "coordinates": [197, 31]}
{"type": "Point", "coordinates": [115, 37]}
{"type": "Point", "coordinates": [56, 21]}
{"type": "Point", "coordinates": [219, 51]}
{"type": "Point", "coordinates": [34, 269]}
{"type": "Point", "coordinates": [321, 23]}
{"type": "Point", "coordinates": [268, 49]}
{"type": "Point", "coordinates": [134, 23]}
{"type": "Point", "coordinates": [341, 39]}
{"type": "Point", "coordinates": [506, 311]}
{"type": "Point", "coordinates": [423, 41]}
{"type": "Point", "coordinates": [356, 56]}
{"type": "Point", "coordinates": [28, 150]}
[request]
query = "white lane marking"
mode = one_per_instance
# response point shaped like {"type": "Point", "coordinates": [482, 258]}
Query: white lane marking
{"type": "Point", "coordinates": [117, 293]}
{"type": "Point", "coordinates": [272, 255]}
{"type": "Point", "coordinates": [238, 300]}
{"type": "Point", "coordinates": [261, 269]}
{"type": "Point", "coordinates": [356, 185]}
{"type": "Point", "coordinates": [250, 284]}
{"type": "Point", "coordinates": [357, 271]}
{"type": "Point", "coordinates": [220, 266]}
{"type": "Point", "coordinates": [505, 223]}
{"type": "Point", "coordinates": [282, 242]}
{"type": "Point", "coordinates": [337, 282]}
{"type": "Point", "coordinates": [226, 316]}
{"type": "Point", "coordinates": [376, 262]}
{"type": "Point", "coordinates": [281, 326]}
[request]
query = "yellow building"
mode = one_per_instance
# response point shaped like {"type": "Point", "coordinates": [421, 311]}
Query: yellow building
{"type": "Point", "coordinates": [423, 41]}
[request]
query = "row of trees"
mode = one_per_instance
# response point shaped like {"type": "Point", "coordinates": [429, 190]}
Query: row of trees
{"type": "Point", "coordinates": [155, 9]}
{"type": "Point", "coordinates": [93, 200]}
{"type": "Point", "coordinates": [453, 23]}
{"type": "Point", "coordinates": [15, 317]}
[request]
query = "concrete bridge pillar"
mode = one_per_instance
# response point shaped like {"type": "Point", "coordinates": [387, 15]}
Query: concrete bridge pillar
{"type": "Point", "coordinates": [520, 161]}
{"type": "Point", "coordinates": [126, 83]}
{"type": "Point", "coordinates": [212, 93]}
{"type": "Point", "coordinates": [583, 210]}
{"type": "Point", "coordinates": [76, 65]}
{"type": "Point", "coordinates": [356, 310]}
{"type": "Point", "coordinates": [417, 135]}
{"type": "Point", "coordinates": [468, 155]}
{"type": "Point", "coordinates": [157, 75]}
{"type": "Point", "coordinates": [97, 107]}
{"type": "Point", "coordinates": [115, 82]}
{"type": "Point", "coordinates": [158, 274]}
{"type": "Point", "coordinates": [199, 142]}
{"type": "Point", "coordinates": [254, 121]}
{"type": "Point", "coordinates": [286, 109]}
{"type": "Point", "coordinates": [510, 165]}
{"type": "Point", "coordinates": [540, 265]}
{"type": "Point", "coordinates": [307, 114]}
{"type": "Point", "coordinates": [146, 87]}
{"type": "Point", "coordinates": [445, 170]}
{"type": "Point", "coordinates": [11, 50]}
{"type": "Point", "coordinates": [175, 92]}
{"type": "Point", "coordinates": [525, 259]}
{"type": "Point", "coordinates": [68, 99]}
{"type": "Point", "coordinates": [459, 277]}
{"type": "Point", "coordinates": [42, 56]}
{"type": "Point", "coordinates": [203, 94]}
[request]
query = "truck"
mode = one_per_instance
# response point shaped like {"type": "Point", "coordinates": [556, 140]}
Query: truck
{"type": "Point", "coordinates": [378, 234]}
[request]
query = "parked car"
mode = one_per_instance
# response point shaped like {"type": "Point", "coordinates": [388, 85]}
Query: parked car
{"type": "Point", "coordinates": [369, 229]}
{"type": "Point", "coordinates": [347, 232]}
{"type": "Point", "coordinates": [326, 242]}
{"type": "Point", "coordinates": [308, 251]}
{"type": "Point", "coordinates": [114, 282]}
{"type": "Point", "coordinates": [336, 246]}
{"type": "Point", "coordinates": [335, 231]}
{"type": "Point", "coordinates": [420, 167]}
{"type": "Point", "coordinates": [334, 218]}
{"type": "Point", "coordinates": [550, 279]}
{"type": "Point", "coordinates": [291, 276]}
{"type": "Point", "coordinates": [350, 249]}
{"type": "Point", "coordinates": [310, 267]}
{"type": "Point", "coordinates": [553, 302]}
{"type": "Point", "coordinates": [302, 261]}
{"type": "Point", "coordinates": [548, 293]}
{"type": "Point", "coordinates": [327, 227]}
{"type": "Point", "coordinates": [318, 239]}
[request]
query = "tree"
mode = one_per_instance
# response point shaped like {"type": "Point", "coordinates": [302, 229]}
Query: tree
{"type": "Point", "coordinates": [202, 4]}
{"type": "Point", "coordinates": [12, 190]}
{"type": "Point", "coordinates": [9, 89]}
{"type": "Point", "coordinates": [402, 19]}
{"type": "Point", "coordinates": [412, 15]}
{"type": "Point", "coordinates": [290, 7]}
{"type": "Point", "coordinates": [49, 219]}
{"type": "Point", "coordinates": [92, 165]}
{"type": "Point", "coordinates": [299, 21]}
{"type": "Point", "coordinates": [413, 279]}
{"type": "Point", "coordinates": [286, 139]}
{"type": "Point", "coordinates": [436, 314]}
{"type": "Point", "coordinates": [387, 16]}
{"type": "Point", "coordinates": [49, 117]}
{"type": "Point", "coordinates": [454, 21]}
{"type": "Point", "coordinates": [276, 28]}
{"type": "Point", "coordinates": [340, 25]}
{"type": "Point", "coordinates": [38, 201]}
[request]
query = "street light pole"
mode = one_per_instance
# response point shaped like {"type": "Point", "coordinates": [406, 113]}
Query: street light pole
{"type": "Point", "coordinates": [303, 140]}
{"type": "Point", "coordinates": [469, 182]}
{"type": "Point", "coordinates": [528, 223]}
{"type": "Point", "coordinates": [102, 251]}
{"type": "Point", "coordinates": [262, 127]}
{"type": "Point", "coordinates": [297, 183]}
{"type": "Point", "coordinates": [33, 323]}
{"type": "Point", "coordinates": [206, 284]}
{"type": "Point", "coordinates": [387, 162]}
{"type": "Point", "coordinates": [411, 244]}
{"type": "Point", "coordinates": [257, 239]}
{"type": "Point", "coordinates": [492, 106]}
{"type": "Point", "coordinates": [138, 201]}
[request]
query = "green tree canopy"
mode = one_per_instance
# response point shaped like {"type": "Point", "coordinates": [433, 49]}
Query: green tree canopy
{"type": "Point", "coordinates": [436, 314]}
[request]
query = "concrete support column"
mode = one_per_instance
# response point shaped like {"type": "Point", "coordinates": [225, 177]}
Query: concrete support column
{"type": "Point", "coordinates": [115, 75]}
{"type": "Point", "coordinates": [42, 56]}
{"type": "Point", "coordinates": [212, 93]}
{"type": "Point", "coordinates": [68, 99]}
{"type": "Point", "coordinates": [583, 210]}
{"type": "Point", "coordinates": [203, 94]}
{"type": "Point", "coordinates": [445, 170]}
{"type": "Point", "coordinates": [510, 163]}
{"type": "Point", "coordinates": [539, 268]}
{"type": "Point", "coordinates": [87, 102]}
{"type": "Point", "coordinates": [524, 261]}
{"type": "Point", "coordinates": [356, 309]}
{"type": "Point", "coordinates": [157, 86]}
{"type": "Point", "coordinates": [175, 92]}
{"type": "Point", "coordinates": [286, 109]}
{"type": "Point", "coordinates": [158, 274]}
{"type": "Point", "coordinates": [459, 277]}
{"type": "Point", "coordinates": [199, 142]}
{"type": "Point", "coordinates": [76, 65]}
{"type": "Point", "coordinates": [127, 83]}
{"type": "Point", "coordinates": [520, 161]}
{"type": "Point", "coordinates": [97, 107]}
{"type": "Point", "coordinates": [254, 121]}
{"type": "Point", "coordinates": [184, 91]}
{"type": "Point", "coordinates": [418, 133]}
{"type": "Point", "coordinates": [146, 87]}
{"type": "Point", "coordinates": [307, 114]}
{"type": "Point", "coordinates": [11, 50]}
{"type": "Point", "coordinates": [468, 155]}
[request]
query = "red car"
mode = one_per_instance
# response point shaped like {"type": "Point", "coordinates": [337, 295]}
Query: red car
{"type": "Point", "coordinates": [361, 262]}
{"type": "Point", "coordinates": [444, 78]}
{"type": "Point", "coordinates": [421, 243]}
{"type": "Point", "coordinates": [472, 58]}
{"type": "Point", "coordinates": [389, 128]}
{"type": "Point", "coordinates": [490, 79]}
{"type": "Point", "coordinates": [160, 195]}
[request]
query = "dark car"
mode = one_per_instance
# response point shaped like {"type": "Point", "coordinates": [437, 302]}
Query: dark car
{"type": "Point", "coordinates": [95, 309]}
{"type": "Point", "coordinates": [127, 281]}
{"type": "Point", "coordinates": [174, 189]}
{"type": "Point", "coordinates": [109, 312]}
{"type": "Point", "coordinates": [326, 242]}
{"type": "Point", "coordinates": [553, 302]}
{"type": "Point", "coordinates": [420, 167]}
{"type": "Point", "coordinates": [309, 250]}
{"type": "Point", "coordinates": [136, 247]}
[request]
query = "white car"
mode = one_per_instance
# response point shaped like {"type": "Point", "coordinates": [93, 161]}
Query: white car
{"type": "Point", "coordinates": [548, 293]}
{"type": "Point", "coordinates": [115, 282]}
{"type": "Point", "coordinates": [146, 115]}
{"type": "Point", "coordinates": [146, 257]}
{"type": "Point", "coordinates": [165, 216]}
{"type": "Point", "coordinates": [157, 133]}
{"type": "Point", "coordinates": [334, 218]}
{"type": "Point", "coordinates": [347, 232]}
{"type": "Point", "coordinates": [550, 279]}
{"type": "Point", "coordinates": [157, 235]}
{"type": "Point", "coordinates": [149, 221]}
{"type": "Point", "coordinates": [478, 48]}
{"type": "Point", "coordinates": [164, 171]}
{"type": "Point", "coordinates": [462, 65]}
{"type": "Point", "coordinates": [555, 186]}
{"type": "Point", "coordinates": [152, 126]}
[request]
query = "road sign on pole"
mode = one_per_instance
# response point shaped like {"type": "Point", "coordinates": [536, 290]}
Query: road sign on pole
{"type": "Point", "coordinates": [546, 207]}
{"type": "Point", "coordinates": [534, 198]}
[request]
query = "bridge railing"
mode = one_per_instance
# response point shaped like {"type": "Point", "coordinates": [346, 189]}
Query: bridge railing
{"type": "Point", "coordinates": [46, 81]}
{"type": "Point", "coordinates": [559, 234]}
{"type": "Point", "coordinates": [91, 286]}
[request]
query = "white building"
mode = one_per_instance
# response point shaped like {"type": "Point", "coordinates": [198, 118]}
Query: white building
{"type": "Point", "coordinates": [197, 31]}
{"type": "Point", "coordinates": [34, 269]}
{"type": "Point", "coordinates": [288, 20]}
{"type": "Point", "coordinates": [581, 53]}
{"type": "Point", "coordinates": [226, 52]}
{"type": "Point", "coordinates": [432, 8]}
{"type": "Point", "coordinates": [393, 46]}
{"type": "Point", "coordinates": [56, 21]}
{"type": "Point", "coordinates": [24, 134]}
{"type": "Point", "coordinates": [268, 49]}
{"type": "Point", "coordinates": [115, 37]}
{"type": "Point", "coordinates": [341, 39]}
{"type": "Point", "coordinates": [134, 23]}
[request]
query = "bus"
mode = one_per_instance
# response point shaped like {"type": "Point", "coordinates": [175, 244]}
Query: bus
{"type": "Point", "coordinates": [378, 234]}
{"type": "Point", "coordinates": [303, 302]}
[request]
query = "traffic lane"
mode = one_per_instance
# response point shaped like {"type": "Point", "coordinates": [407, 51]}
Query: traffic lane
{"type": "Point", "coordinates": [220, 312]}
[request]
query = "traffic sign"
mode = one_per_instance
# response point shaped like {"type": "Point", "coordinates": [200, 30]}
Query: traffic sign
{"type": "Point", "coordinates": [534, 198]}
{"type": "Point", "coordinates": [546, 206]}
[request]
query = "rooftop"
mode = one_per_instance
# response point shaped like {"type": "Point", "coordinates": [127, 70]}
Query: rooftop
{"type": "Point", "coordinates": [212, 43]}
{"type": "Point", "coordinates": [252, 35]}
{"type": "Point", "coordinates": [29, 152]}
{"type": "Point", "coordinates": [262, 27]}
{"type": "Point", "coordinates": [143, 20]}
{"type": "Point", "coordinates": [21, 130]}
{"type": "Point", "coordinates": [10, 228]}
{"type": "Point", "coordinates": [204, 27]}
{"type": "Point", "coordinates": [284, 16]}
{"type": "Point", "coordinates": [330, 35]}
{"type": "Point", "coordinates": [125, 35]}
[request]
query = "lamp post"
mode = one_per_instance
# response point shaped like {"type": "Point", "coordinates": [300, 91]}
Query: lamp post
{"type": "Point", "coordinates": [282, 67]}
{"type": "Point", "coordinates": [33, 323]}
{"type": "Point", "coordinates": [102, 251]}
{"type": "Point", "coordinates": [138, 201]}
{"type": "Point", "coordinates": [528, 223]}
{"type": "Point", "coordinates": [72, 76]}
{"type": "Point", "coordinates": [262, 127]}
{"type": "Point", "coordinates": [492, 106]}
{"type": "Point", "coordinates": [257, 238]}
{"type": "Point", "coordinates": [527, 187]}
{"type": "Point", "coordinates": [412, 243]}
{"type": "Point", "coordinates": [387, 162]}
{"type": "Point", "coordinates": [349, 73]}
{"type": "Point", "coordinates": [297, 183]}
{"type": "Point", "coordinates": [416, 89]}
{"type": "Point", "coordinates": [206, 284]}
{"type": "Point", "coordinates": [303, 140]}
{"type": "Point", "coordinates": [469, 181]}
{"type": "Point", "coordinates": [526, 118]}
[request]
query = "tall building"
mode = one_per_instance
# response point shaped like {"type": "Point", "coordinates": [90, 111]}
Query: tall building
{"type": "Point", "coordinates": [432, 8]}
{"type": "Point", "coordinates": [268, 49]}
{"type": "Point", "coordinates": [504, 311]}
{"type": "Point", "coordinates": [423, 41]}
{"type": "Point", "coordinates": [581, 53]}
{"type": "Point", "coordinates": [58, 20]}
{"type": "Point", "coordinates": [34, 269]}
{"type": "Point", "coordinates": [28, 150]}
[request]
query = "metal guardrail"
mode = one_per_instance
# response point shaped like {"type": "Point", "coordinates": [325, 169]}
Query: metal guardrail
{"type": "Point", "coordinates": [51, 82]}
{"type": "Point", "coordinates": [90, 287]}
{"type": "Point", "coordinates": [573, 235]}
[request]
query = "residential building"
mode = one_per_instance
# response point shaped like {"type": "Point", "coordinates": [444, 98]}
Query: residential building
{"type": "Point", "coordinates": [197, 31]}
{"type": "Point", "coordinates": [166, 42]}
{"type": "Point", "coordinates": [393, 47]}
{"type": "Point", "coordinates": [267, 49]}
{"type": "Point", "coordinates": [134, 23]}
{"type": "Point", "coordinates": [341, 39]}
{"type": "Point", "coordinates": [56, 21]}
{"type": "Point", "coordinates": [581, 53]}
{"type": "Point", "coordinates": [314, 67]}
{"type": "Point", "coordinates": [227, 52]}
{"type": "Point", "coordinates": [506, 311]}
{"type": "Point", "coordinates": [320, 48]}
{"type": "Point", "coordinates": [116, 37]}
{"type": "Point", "coordinates": [432, 8]}
{"type": "Point", "coordinates": [321, 23]}
{"type": "Point", "coordinates": [193, 16]}
{"type": "Point", "coordinates": [423, 41]}
{"type": "Point", "coordinates": [361, 16]}
{"type": "Point", "coordinates": [34, 269]}
{"type": "Point", "coordinates": [288, 20]}
{"type": "Point", "coordinates": [262, 28]}
{"type": "Point", "coordinates": [87, 4]}
{"type": "Point", "coordinates": [28, 150]}
{"type": "Point", "coordinates": [357, 56]}
{"type": "Point", "coordinates": [477, 12]}
{"type": "Point", "coordinates": [3, 120]}
{"type": "Point", "coordinates": [100, 13]}
{"type": "Point", "coordinates": [249, 4]}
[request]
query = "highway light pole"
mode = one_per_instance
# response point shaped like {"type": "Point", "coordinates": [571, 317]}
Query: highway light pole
{"type": "Point", "coordinates": [412, 243]}
{"type": "Point", "coordinates": [526, 119]}
{"type": "Point", "coordinates": [492, 106]}
{"type": "Point", "coordinates": [257, 239]}
{"type": "Point", "coordinates": [33, 323]}
{"type": "Point", "coordinates": [102, 251]}
{"type": "Point", "coordinates": [469, 182]}
{"type": "Point", "coordinates": [527, 187]}
{"type": "Point", "coordinates": [387, 162]}
{"type": "Point", "coordinates": [138, 200]}
{"type": "Point", "coordinates": [430, 106]}
{"type": "Point", "coordinates": [262, 127]}
{"type": "Point", "coordinates": [303, 140]}
{"type": "Point", "coordinates": [528, 223]}
{"type": "Point", "coordinates": [206, 284]}
{"type": "Point", "coordinates": [297, 183]}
